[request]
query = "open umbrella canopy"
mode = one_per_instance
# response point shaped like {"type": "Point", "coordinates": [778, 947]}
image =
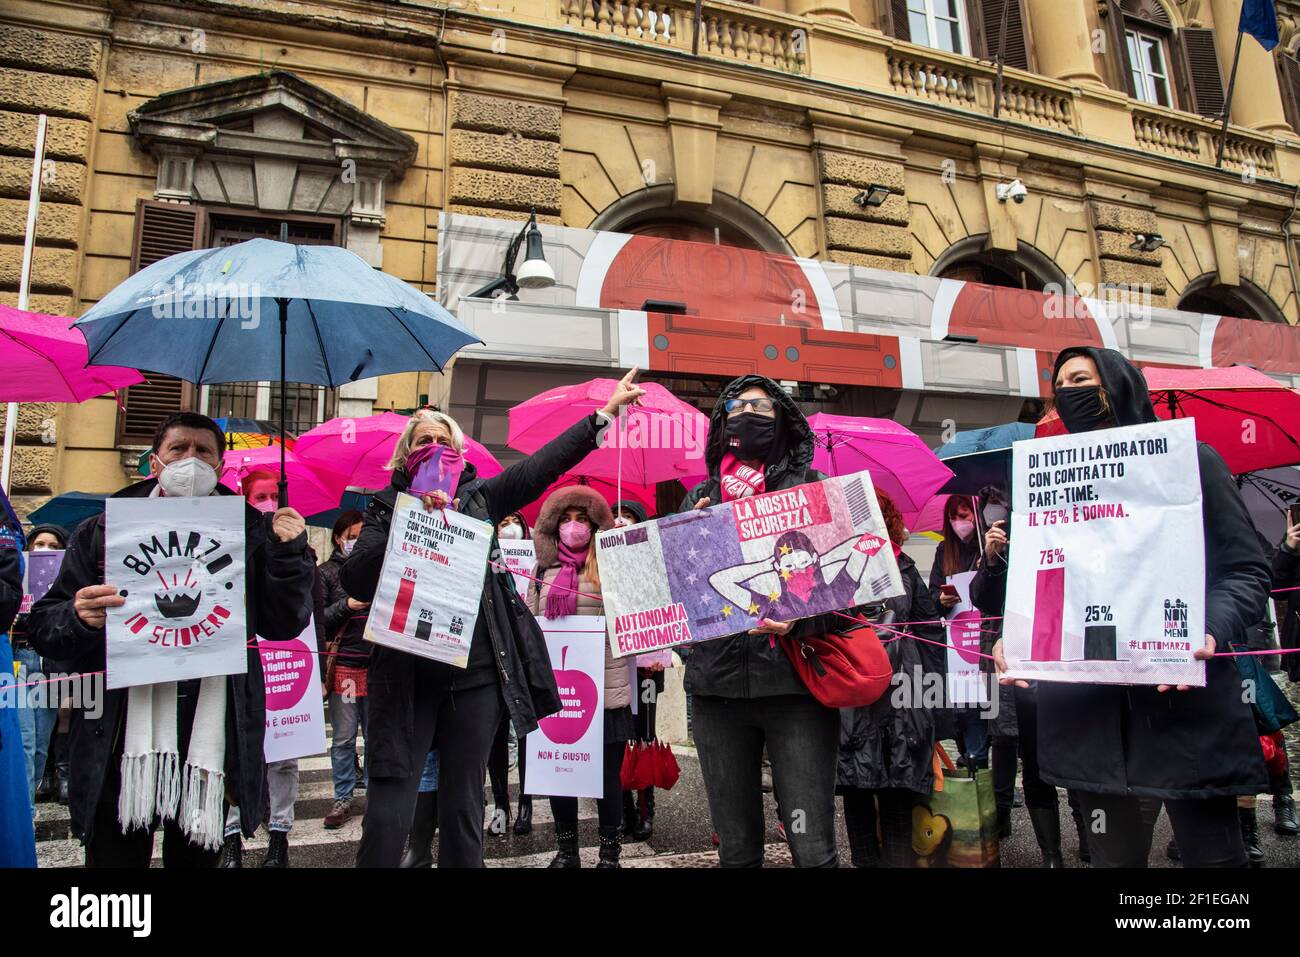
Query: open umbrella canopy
{"type": "Point", "coordinates": [351, 500]}
{"type": "Point", "coordinates": [212, 315]}
{"type": "Point", "coordinates": [42, 360]}
{"type": "Point", "coordinates": [660, 439]}
{"type": "Point", "coordinates": [641, 493]}
{"type": "Point", "coordinates": [1251, 420]}
{"type": "Point", "coordinates": [1268, 494]}
{"type": "Point", "coordinates": [69, 509]}
{"type": "Point", "coordinates": [980, 457]}
{"type": "Point", "coordinates": [358, 449]}
{"type": "Point", "coordinates": [314, 490]}
{"type": "Point", "coordinates": [901, 465]}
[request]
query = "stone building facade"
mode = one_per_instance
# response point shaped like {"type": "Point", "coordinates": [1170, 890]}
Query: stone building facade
{"type": "Point", "coordinates": [182, 125]}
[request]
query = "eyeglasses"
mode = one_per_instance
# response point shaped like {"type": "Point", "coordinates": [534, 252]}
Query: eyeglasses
{"type": "Point", "coordinates": [736, 406]}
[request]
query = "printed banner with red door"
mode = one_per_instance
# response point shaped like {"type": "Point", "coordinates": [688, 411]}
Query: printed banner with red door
{"type": "Point", "coordinates": [179, 563]}
{"type": "Point", "coordinates": [1106, 583]}
{"type": "Point", "coordinates": [717, 571]}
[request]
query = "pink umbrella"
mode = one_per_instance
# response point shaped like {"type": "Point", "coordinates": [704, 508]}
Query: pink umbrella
{"type": "Point", "coordinates": [311, 490]}
{"type": "Point", "coordinates": [930, 518]}
{"type": "Point", "coordinates": [899, 462]}
{"type": "Point", "coordinates": [42, 360]}
{"type": "Point", "coordinates": [641, 493]}
{"type": "Point", "coordinates": [358, 449]}
{"type": "Point", "coordinates": [662, 438]}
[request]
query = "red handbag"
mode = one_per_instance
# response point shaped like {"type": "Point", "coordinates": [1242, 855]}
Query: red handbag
{"type": "Point", "coordinates": [847, 669]}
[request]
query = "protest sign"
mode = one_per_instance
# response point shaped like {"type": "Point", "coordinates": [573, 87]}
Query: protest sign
{"type": "Point", "coordinates": [38, 575]}
{"type": "Point", "coordinates": [566, 754]}
{"type": "Point", "coordinates": [966, 684]}
{"type": "Point", "coordinates": [520, 556]}
{"type": "Point", "coordinates": [179, 563]}
{"type": "Point", "coordinates": [295, 716]}
{"type": "Point", "coordinates": [1106, 582]}
{"type": "Point", "coordinates": [430, 584]}
{"type": "Point", "coordinates": [711, 572]}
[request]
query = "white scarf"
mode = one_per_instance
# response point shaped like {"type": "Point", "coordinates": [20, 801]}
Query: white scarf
{"type": "Point", "coordinates": [153, 782]}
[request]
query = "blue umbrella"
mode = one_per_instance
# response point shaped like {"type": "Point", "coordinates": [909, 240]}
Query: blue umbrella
{"type": "Point", "coordinates": [69, 509]}
{"type": "Point", "coordinates": [351, 499]}
{"type": "Point", "coordinates": [270, 310]}
{"type": "Point", "coordinates": [981, 457]}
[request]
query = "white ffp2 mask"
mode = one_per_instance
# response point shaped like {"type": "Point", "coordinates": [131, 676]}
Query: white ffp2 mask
{"type": "Point", "coordinates": [188, 477]}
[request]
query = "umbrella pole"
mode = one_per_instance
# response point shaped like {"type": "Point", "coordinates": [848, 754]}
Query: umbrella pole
{"type": "Point", "coordinates": [283, 499]}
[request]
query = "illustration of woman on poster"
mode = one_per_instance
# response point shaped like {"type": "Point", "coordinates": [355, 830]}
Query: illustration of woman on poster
{"type": "Point", "coordinates": [796, 581]}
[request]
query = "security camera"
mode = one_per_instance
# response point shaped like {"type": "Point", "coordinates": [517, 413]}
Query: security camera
{"type": "Point", "coordinates": [1014, 190]}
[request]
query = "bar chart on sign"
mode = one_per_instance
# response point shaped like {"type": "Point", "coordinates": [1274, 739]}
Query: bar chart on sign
{"type": "Point", "coordinates": [401, 615]}
{"type": "Point", "coordinates": [1049, 630]}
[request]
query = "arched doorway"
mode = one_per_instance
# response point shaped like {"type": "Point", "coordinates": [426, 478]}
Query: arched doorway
{"type": "Point", "coordinates": [1026, 268]}
{"type": "Point", "coordinates": [1244, 301]}
{"type": "Point", "coordinates": [726, 221]}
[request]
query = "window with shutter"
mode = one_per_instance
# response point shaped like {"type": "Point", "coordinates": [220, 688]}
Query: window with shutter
{"type": "Point", "coordinates": [161, 230]}
{"type": "Point", "coordinates": [987, 18]}
{"type": "Point", "coordinates": [1288, 69]}
{"type": "Point", "coordinates": [898, 25]}
{"type": "Point", "coordinates": [1115, 55]}
{"type": "Point", "coordinates": [1202, 81]}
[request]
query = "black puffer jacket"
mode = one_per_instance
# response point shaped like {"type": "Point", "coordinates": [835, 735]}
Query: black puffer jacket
{"type": "Point", "coordinates": [1286, 574]}
{"type": "Point", "coordinates": [882, 746]}
{"type": "Point", "coordinates": [1200, 743]}
{"type": "Point", "coordinates": [744, 665]}
{"type": "Point", "coordinates": [507, 648]}
{"type": "Point", "coordinates": [278, 603]}
{"type": "Point", "coordinates": [340, 621]}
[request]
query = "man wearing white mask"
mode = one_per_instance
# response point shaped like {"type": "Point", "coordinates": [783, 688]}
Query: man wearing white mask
{"type": "Point", "coordinates": [68, 624]}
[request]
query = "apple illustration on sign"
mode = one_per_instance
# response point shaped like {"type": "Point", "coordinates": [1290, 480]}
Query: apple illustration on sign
{"type": "Point", "coordinates": [578, 697]}
{"type": "Point", "coordinates": [965, 631]}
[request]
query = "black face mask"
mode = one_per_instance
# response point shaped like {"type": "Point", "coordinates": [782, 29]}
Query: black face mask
{"type": "Point", "coordinates": [751, 436]}
{"type": "Point", "coordinates": [1080, 408]}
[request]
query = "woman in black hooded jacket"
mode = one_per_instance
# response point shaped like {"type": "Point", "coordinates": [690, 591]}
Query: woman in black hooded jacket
{"type": "Point", "coordinates": [746, 692]}
{"type": "Point", "coordinates": [1196, 749]}
{"type": "Point", "coordinates": [415, 703]}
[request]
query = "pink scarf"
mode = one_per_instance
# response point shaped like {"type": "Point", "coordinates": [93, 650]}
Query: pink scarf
{"type": "Point", "coordinates": [738, 479]}
{"type": "Point", "coordinates": [562, 596]}
{"type": "Point", "coordinates": [434, 468]}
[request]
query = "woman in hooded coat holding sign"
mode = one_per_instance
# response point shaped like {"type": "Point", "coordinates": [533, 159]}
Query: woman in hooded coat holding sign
{"type": "Point", "coordinates": [416, 703]}
{"type": "Point", "coordinates": [1194, 748]}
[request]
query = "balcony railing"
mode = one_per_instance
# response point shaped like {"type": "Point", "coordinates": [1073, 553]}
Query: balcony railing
{"type": "Point", "coordinates": [927, 74]}
{"type": "Point", "coordinates": [1197, 138]}
{"type": "Point", "coordinates": [759, 37]}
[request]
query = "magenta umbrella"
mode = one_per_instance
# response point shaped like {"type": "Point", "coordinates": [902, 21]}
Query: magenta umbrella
{"type": "Point", "coordinates": [358, 449]}
{"type": "Point", "coordinates": [314, 490]}
{"type": "Point", "coordinates": [608, 490]}
{"type": "Point", "coordinates": [43, 360]}
{"type": "Point", "coordinates": [662, 437]}
{"type": "Point", "coordinates": [899, 462]}
{"type": "Point", "coordinates": [1247, 417]}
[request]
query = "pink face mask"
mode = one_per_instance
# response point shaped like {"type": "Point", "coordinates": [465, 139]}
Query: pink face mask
{"type": "Point", "coordinates": [575, 534]}
{"type": "Point", "coordinates": [801, 582]}
{"type": "Point", "coordinates": [266, 505]}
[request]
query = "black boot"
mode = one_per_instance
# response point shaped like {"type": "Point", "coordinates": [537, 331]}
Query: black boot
{"type": "Point", "coordinates": [419, 844]}
{"type": "Point", "coordinates": [1250, 836]}
{"type": "Point", "coordinates": [1080, 827]}
{"type": "Point", "coordinates": [47, 788]}
{"type": "Point", "coordinates": [645, 824]}
{"type": "Point", "coordinates": [1047, 829]}
{"type": "Point", "coordinates": [524, 816]}
{"type": "Point", "coordinates": [1172, 852]}
{"type": "Point", "coordinates": [1284, 821]}
{"type": "Point", "coordinates": [566, 836]}
{"type": "Point", "coordinates": [277, 852]}
{"type": "Point", "coordinates": [1004, 822]}
{"type": "Point", "coordinates": [232, 852]}
{"type": "Point", "coordinates": [631, 816]}
{"type": "Point", "coordinates": [610, 846]}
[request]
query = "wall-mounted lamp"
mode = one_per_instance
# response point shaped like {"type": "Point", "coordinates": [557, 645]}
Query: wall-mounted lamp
{"type": "Point", "coordinates": [535, 273]}
{"type": "Point", "coordinates": [873, 195]}
{"type": "Point", "coordinates": [965, 340]}
{"type": "Point", "coordinates": [1147, 242]}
